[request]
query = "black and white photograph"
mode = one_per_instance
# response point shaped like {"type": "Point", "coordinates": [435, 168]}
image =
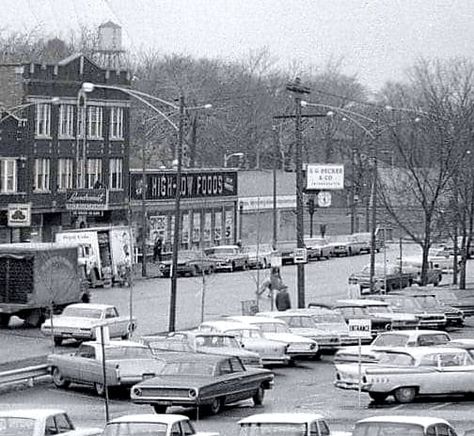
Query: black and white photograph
{"type": "Point", "coordinates": [236, 218]}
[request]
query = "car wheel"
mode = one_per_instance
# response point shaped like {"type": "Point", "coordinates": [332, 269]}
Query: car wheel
{"type": "Point", "coordinates": [159, 408]}
{"type": "Point", "coordinates": [232, 267]}
{"type": "Point", "coordinates": [405, 395]}
{"type": "Point", "coordinates": [259, 396]}
{"type": "Point", "coordinates": [59, 380]}
{"type": "Point", "coordinates": [99, 389]}
{"type": "Point", "coordinates": [216, 406]}
{"type": "Point", "coordinates": [4, 320]}
{"type": "Point", "coordinates": [58, 341]}
{"type": "Point", "coordinates": [378, 397]}
{"type": "Point", "coordinates": [317, 356]}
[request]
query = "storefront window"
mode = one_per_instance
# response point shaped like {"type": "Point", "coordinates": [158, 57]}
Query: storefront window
{"type": "Point", "coordinates": [196, 228]}
{"type": "Point", "coordinates": [217, 228]}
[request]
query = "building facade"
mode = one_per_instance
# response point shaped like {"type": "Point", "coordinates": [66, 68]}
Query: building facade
{"type": "Point", "coordinates": [208, 207]}
{"type": "Point", "coordinates": [64, 155]}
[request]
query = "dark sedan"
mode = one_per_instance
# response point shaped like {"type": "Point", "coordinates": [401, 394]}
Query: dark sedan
{"type": "Point", "coordinates": [190, 263]}
{"type": "Point", "coordinates": [200, 380]}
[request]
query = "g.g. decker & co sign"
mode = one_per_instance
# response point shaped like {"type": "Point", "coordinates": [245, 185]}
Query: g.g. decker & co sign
{"type": "Point", "coordinates": [87, 199]}
{"type": "Point", "coordinates": [162, 185]}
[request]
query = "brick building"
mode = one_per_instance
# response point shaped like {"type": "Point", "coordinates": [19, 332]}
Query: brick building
{"type": "Point", "coordinates": [64, 159]}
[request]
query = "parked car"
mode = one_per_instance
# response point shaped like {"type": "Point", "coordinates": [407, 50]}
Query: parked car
{"type": "Point", "coordinates": [302, 324]}
{"type": "Point", "coordinates": [464, 343]}
{"type": "Point", "coordinates": [457, 298]}
{"type": "Point", "coordinates": [340, 247]}
{"type": "Point", "coordinates": [284, 424]}
{"type": "Point", "coordinates": [202, 380]}
{"type": "Point", "coordinates": [79, 321]}
{"type": "Point", "coordinates": [442, 258]}
{"type": "Point", "coordinates": [429, 302]}
{"type": "Point", "coordinates": [41, 422]}
{"type": "Point", "coordinates": [412, 373]}
{"type": "Point", "coordinates": [227, 257]}
{"type": "Point", "coordinates": [388, 276]}
{"type": "Point", "coordinates": [251, 337]}
{"type": "Point", "coordinates": [331, 321]}
{"type": "Point", "coordinates": [126, 363]}
{"type": "Point", "coordinates": [196, 341]}
{"type": "Point", "coordinates": [153, 424]}
{"type": "Point", "coordinates": [259, 256]}
{"type": "Point", "coordinates": [386, 341]}
{"type": "Point", "coordinates": [403, 425]}
{"type": "Point", "coordinates": [434, 319]}
{"type": "Point", "coordinates": [319, 248]}
{"type": "Point", "coordinates": [277, 330]}
{"type": "Point", "coordinates": [287, 252]}
{"type": "Point", "coordinates": [412, 265]}
{"type": "Point", "coordinates": [190, 263]}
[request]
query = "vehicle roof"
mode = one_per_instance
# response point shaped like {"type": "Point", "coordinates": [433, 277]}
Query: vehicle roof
{"type": "Point", "coordinates": [90, 306]}
{"type": "Point", "coordinates": [292, 418]}
{"type": "Point", "coordinates": [230, 324]}
{"type": "Point", "coordinates": [30, 413]}
{"type": "Point", "coordinates": [285, 313]}
{"type": "Point", "coordinates": [463, 342]}
{"type": "Point", "coordinates": [360, 302]}
{"type": "Point", "coordinates": [186, 356]}
{"type": "Point", "coordinates": [317, 310]}
{"type": "Point", "coordinates": [414, 332]}
{"type": "Point", "coordinates": [425, 421]}
{"type": "Point", "coordinates": [168, 418]}
{"type": "Point", "coordinates": [418, 352]}
{"type": "Point", "coordinates": [117, 344]}
{"type": "Point", "coordinates": [263, 319]}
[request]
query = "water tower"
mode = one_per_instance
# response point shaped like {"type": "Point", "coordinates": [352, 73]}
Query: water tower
{"type": "Point", "coordinates": [109, 53]}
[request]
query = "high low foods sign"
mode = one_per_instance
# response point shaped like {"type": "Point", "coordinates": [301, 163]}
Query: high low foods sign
{"type": "Point", "coordinates": [162, 185]}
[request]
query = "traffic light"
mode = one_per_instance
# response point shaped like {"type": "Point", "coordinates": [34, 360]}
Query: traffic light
{"type": "Point", "coordinates": [310, 205]}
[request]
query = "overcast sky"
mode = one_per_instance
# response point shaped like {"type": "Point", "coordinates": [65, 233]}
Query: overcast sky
{"type": "Point", "coordinates": [377, 39]}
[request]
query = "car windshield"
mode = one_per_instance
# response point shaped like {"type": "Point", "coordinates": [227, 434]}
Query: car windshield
{"type": "Point", "coordinates": [428, 301]}
{"type": "Point", "coordinates": [216, 341]}
{"type": "Point", "coordinates": [135, 429]}
{"type": "Point", "coordinates": [190, 255]}
{"type": "Point", "coordinates": [446, 359]}
{"type": "Point", "coordinates": [390, 340]}
{"type": "Point", "coordinates": [387, 429]}
{"type": "Point", "coordinates": [262, 248]}
{"type": "Point", "coordinates": [188, 368]}
{"type": "Point", "coordinates": [220, 250]}
{"type": "Point", "coordinates": [16, 426]}
{"type": "Point", "coordinates": [405, 303]}
{"type": "Point", "coordinates": [82, 312]}
{"type": "Point", "coordinates": [273, 429]}
{"type": "Point", "coordinates": [323, 318]}
{"type": "Point", "coordinates": [273, 327]}
{"type": "Point", "coordinates": [117, 353]}
{"type": "Point", "coordinates": [246, 333]}
{"type": "Point", "coordinates": [299, 321]}
{"type": "Point", "coordinates": [396, 359]}
{"type": "Point", "coordinates": [379, 309]}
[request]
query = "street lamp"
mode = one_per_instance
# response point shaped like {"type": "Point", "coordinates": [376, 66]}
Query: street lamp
{"type": "Point", "coordinates": [141, 96]}
{"type": "Point", "coordinates": [228, 156]}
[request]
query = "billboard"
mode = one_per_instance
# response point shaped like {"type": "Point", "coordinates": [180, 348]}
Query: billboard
{"type": "Point", "coordinates": [324, 177]}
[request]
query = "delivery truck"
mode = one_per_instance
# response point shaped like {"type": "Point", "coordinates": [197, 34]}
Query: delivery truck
{"type": "Point", "coordinates": [36, 278]}
{"type": "Point", "coordinates": [109, 252]}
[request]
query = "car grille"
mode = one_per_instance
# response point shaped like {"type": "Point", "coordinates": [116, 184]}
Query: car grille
{"type": "Point", "coordinates": [299, 347]}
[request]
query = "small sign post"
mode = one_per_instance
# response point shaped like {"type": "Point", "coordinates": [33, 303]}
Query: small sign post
{"type": "Point", "coordinates": [301, 255]}
{"type": "Point", "coordinates": [360, 329]}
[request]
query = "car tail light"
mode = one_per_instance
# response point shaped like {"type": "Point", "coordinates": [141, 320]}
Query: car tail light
{"type": "Point", "coordinates": [137, 392]}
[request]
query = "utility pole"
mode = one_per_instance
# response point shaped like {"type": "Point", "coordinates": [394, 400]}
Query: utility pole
{"type": "Point", "coordinates": [373, 224]}
{"type": "Point", "coordinates": [353, 190]}
{"type": "Point", "coordinates": [275, 162]}
{"type": "Point", "coordinates": [144, 214]}
{"type": "Point", "coordinates": [177, 218]}
{"type": "Point", "coordinates": [298, 90]}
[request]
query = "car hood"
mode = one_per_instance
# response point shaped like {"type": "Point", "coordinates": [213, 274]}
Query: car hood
{"type": "Point", "coordinates": [287, 338]}
{"type": "Point", "coordinates": [398, 316]}
{"type": "Point", "coordinates": [338, 328]}
{"type": "Point", "coordinates": [309, 332]}
{"type": "Point", "coordinates": [72, 321]}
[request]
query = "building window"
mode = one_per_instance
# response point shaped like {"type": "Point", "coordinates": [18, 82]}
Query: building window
{"type": "Point", "coordinates": [116, 123]}
{"type": "Point", "coordinates": [8, 176]}
{"type": "Point", "coordinates": [42, 172]}
{"type": "Point", "coordinates": [43, 120]}
{"type": "Point", "coordinates": [94, 173]}
{"type": "Point", "coordinates": [116, 173]}
{"type": "Point", "coordinates": [65, 173]}
{"type": "Point", "coordinates": [66, 121]}
{"type": "Point", "coordinates": [94, 122]}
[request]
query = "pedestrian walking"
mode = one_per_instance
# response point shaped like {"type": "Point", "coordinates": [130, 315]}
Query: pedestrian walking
{"type": "Point", "coordinates": [282, 299]}
{"type": "Point", "coordinates": [157, 249]}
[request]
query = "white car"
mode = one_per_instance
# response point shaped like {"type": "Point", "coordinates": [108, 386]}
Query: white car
{"type": "Point", "coordinates": [41, 422]}
{"type": "Point", "coordinates": [403, 425]}
{"type": "Point", "coordinates": [259, 256]}
{"type": "Point", "coordinates": [302, 324]}
{"type": "Point", "coordinates": [271, 352]}
{"type": "Point", "coordinates": [284, 424]}
{"type": "Point", "coordinates": [79, 321]}
{"type": "Point", "coordinates": [277, 330]}
{"type": "Point", "coordinates": [153, 424]}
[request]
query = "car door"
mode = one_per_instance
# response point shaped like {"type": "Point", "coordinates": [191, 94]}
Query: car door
{"type": "Point", "coordinates": [227, 382]}
{"type": "Point", "coordinates": [89, 364]}
{"type": "Point", "coordinates": [117, 326]}
{"type": "Point", "coordinates": [245, 382]}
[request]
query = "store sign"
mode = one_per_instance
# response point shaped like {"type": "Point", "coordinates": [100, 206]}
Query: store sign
{"type": "Point", "coordinates": [87, 199]}
{"type": "Point", "coordinates": [324, 177]}
{"type": "Point", "coordinates": [249, 204]}
{"type": "Point", "coordinates": [206, 184]}
{"type": "Point", "coordinates": [19, 215]}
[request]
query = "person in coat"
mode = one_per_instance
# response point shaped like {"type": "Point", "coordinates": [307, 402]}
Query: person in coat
{"type": "Point", "coordinates": [282, 299]}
